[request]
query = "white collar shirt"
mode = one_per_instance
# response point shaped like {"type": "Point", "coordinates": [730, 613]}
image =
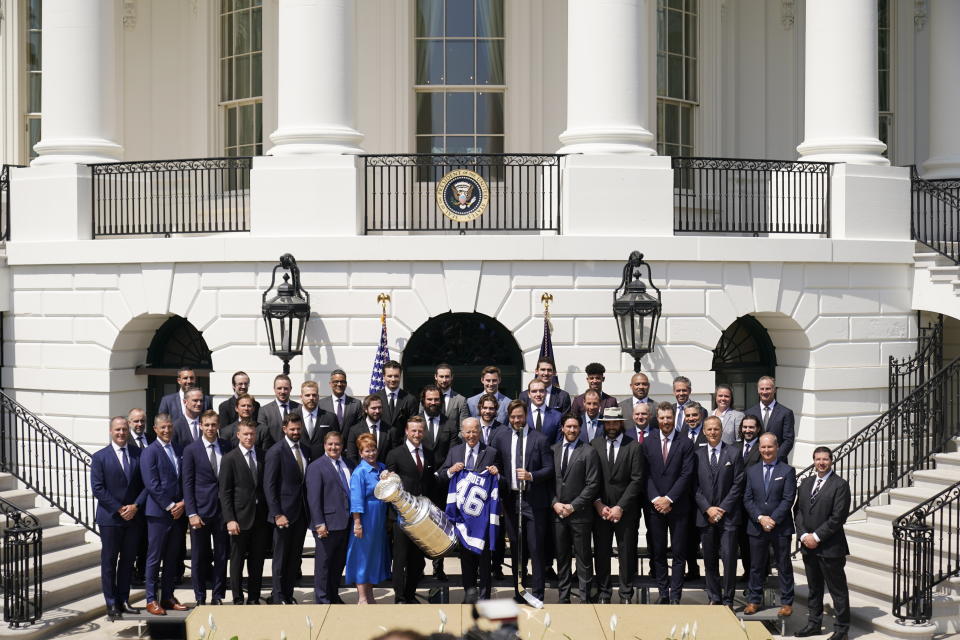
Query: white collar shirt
{"type": "Point", "coordinates": [616, 446]}
{"type": "Point", "coordinates": [513, 454]}
{"type": "Point", "coordinates": [338, 465]}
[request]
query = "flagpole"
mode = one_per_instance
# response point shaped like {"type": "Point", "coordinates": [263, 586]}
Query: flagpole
{"type": "Point", "coordinates": [383, 354]}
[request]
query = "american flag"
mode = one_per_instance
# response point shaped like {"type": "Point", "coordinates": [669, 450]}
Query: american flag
{"type": "Point", "coordinates": [383, 354]}
{"type": "Point", "coordinates": [546, 345]}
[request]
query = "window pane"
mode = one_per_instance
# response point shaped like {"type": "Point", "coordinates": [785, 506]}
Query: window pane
{"type": "Point", "coordinates": [460, 144]}
{"type": "Point", "coordinates": [674, 77]}
{"type": "Point", "coordinates": [429, 113]}
{"type": "Point", "coordinates": [430, 144]}
{"type": "Point", "coordinates": [489, 144]}
{"type": "Point", "coordinates": [226, 80]}
{"type": "Point", "coordinates": [460, 19]}
{"type": "Point", "coordinates": [459, 62]}
{"type": "Point", "coordinates": [674, 32]}
{"type": "Point", "coordinates": [242, 78]}
{"type": "Point", "coordinates": [661, 74]}
{"type": "Point", "coordinates": [34, 51]}
{"type": "Point", "coordinates": [226, 35]}
{"type": "Point", "coordinates": [35, 14]}
{"type": "Point", "coordinates": [489, 112]}
{"type": "Point", "coordinates": [247, 128]}
{"type": "Point", "coordinates": [429, 18]}
{"type": "Point", "coordinates": [241, 32]}
{"type": "Point", "coordinates": [429, 62]}
{"type": "Point", "coordinates": [690, 36]}
{"type": "Point", "coordinates": [33, 102]}
{"type": "Point", "coordinates": [34, 124]}
{"type": "Point", "coordinates": [459, 113]}
{"type": "Point", "coordinates": [672, 123]}
{"type": "Point", "coordinates": [686, 137]}
{"type": "Point", "coordinates": [489, 62]}
{"type": "Point", "coordinates": [884, 90]}
{"type": "Point", "coordinates": [490, 19]}
{"type": "Point", "coordinates": [256, 37]}
{"type": "Point", "coordinates": [258, 121]}
{"type": "Point", "coordinates": [691, 79]}
{"type": "Point", "coordinates": [231, 120]}
{"type": "Point", "coordinates": [226, 5]}
{"type": "Point", "coordinates": [257, 74]}
{"type": "Point", "coordinates": [241, 4]}
{"type": "Point", "coordinates": [675, 4]}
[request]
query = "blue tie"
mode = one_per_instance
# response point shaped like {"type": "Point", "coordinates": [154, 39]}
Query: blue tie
{"type": "Point", "coordinates": [126, 463]}
{"type": "Point", "coordinates": [173, 458]}
{"type": "Point", "coordinates": [767, 472]}
{"type": "Point", "coordinates": [343, 476]}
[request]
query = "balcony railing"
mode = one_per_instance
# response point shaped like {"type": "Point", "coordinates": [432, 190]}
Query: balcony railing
{"type": "Point", "coordinates": [419, 193]}
{"type": "Point", "coordinates": [751, 197]}
{"type": "Point", "coordinates": [204, 195]}
{"type": "Point", "coordinates": [935, 219]}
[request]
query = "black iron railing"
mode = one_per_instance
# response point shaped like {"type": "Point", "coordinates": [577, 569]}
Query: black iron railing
{"type": "Point", "coordinates": [935, 215]}
{"type": "Point", "coordinates": [926, 551]}
{"type": "Point", "coordinates": [5, 200]}
{"type": "Point", "coordinates": [401, 192]}
{"type": "Point", "coordinates": [728, 195]}
{"type": "Point", "coordinates": [20, 566]}
{"type": "Point", "coordinates": [883, 454]}
{"type": "Point", "coordinates": [909, 373]}
{"type": "Point", "coordinates": [46, 461]}
{"type": "Point", "coordinates": [205, 195]}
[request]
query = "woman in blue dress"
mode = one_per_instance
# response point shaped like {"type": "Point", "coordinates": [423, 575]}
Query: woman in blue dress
{"type": "Point", "coordinates": [368, 555]}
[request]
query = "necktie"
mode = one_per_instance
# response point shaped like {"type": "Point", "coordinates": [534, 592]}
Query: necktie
{"type": "Point", "coordinates": [746, 449]}
{"type": "Point", "coordinates": [416, 452]}
{"type": "Point", "coordinates": [471, 461]}
{"type": "Point", "coordinates": [679, 420]}
{"type": "Point", "coordinates": [713, 458]}
{"type": "Point", "coordinates": [486, 435]}
{"type": "Point", "coordinates": [446, 402]}
{"type": "Point", "coordinates": [393, 402]}
{"type": "Point", "coordinates": [343, 476]}
{"type": "Point", "coordinates": [565, 460]}
{"type": "Point", "coordinates": [284, 406]}
{"type": "Point", "coordinates": [252, 463]}
{"type": "Point", "coordinates": [310, 426]}
{"type": "Point", "coordinates": [433, 429]}
{"type": "Point", "coordinates": [767, 472]}
{"type": "Point", "coordinates": [126, 463]}
{"type": "Point", "coordinates": [196, 432]}
{"type": "Point", "coordinates": [766, 415]}
{"type": "Point", "coordinates": [666, 444]}
{"type": "Point", "coordinates": [373, 432]}
{"type": "Point", "coordinates": [610, 454]}
{"type": "Point", "coordinates": [816, 489]}
{"type": "Point", "coordinates": [173, 458]}
{"type": "Point", "coordinates": [141, 441]}
{"type": "Point", "coordinates": [518, 455]}
{"type": "Point", "coordinates": [340, 411]}
{"type": "Point", "coordinates": [213, 458]}
{"type": "Point", "coordinates": [539, 420]}
{"type": "Point", "coordinates": [299, 458]}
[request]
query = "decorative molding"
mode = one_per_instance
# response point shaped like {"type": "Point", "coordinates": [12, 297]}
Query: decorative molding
{"type": "Point", "coordinates": [920, 13]}
{"type": "Point", "coordinates": [787, 15]}
{"type": "Point", "coordinates": [129, 14]}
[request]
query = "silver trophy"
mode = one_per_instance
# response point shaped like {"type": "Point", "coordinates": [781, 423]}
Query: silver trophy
{"type": "Point", "coordinates": [420, 519]}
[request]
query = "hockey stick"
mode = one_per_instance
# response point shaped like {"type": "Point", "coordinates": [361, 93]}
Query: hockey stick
{"type": "Point", "coordinates": [528, 597]}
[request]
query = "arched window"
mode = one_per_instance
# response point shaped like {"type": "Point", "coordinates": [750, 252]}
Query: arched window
{"type": "Point", "coordinates": [743, 355]}
{"type": "Point", "coordinates": [176, 343]}
{"type": "Point", "coordinates": [468, 342]}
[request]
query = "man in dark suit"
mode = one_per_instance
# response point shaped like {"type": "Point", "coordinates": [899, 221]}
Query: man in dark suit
{"type": "Point", "coordinates": [186, 427]}
{"type": "Point", "coordinates": [285, 466]}
{"type": "Point", "coordinates": [160, 468]}
{"type": "Point", "coordinates": [414, 463]}
{"type": "Point", "coordinates": [453, 404]}
{"type": "Point", "coordinates": [172, 403]}
{"type": "Point", "coordinates": [328, 496]}
{"type": "Point", "coordinates": [118, 487]}
{"type": "Point", "coordinates": [577, 481]}
{"type": "Point", "coordinates": [346, 409]}
{"type": "Point", "coordinates": [749, 448]}
{"type": "Point", "coordinates": [245, 408]}
{"type": "Point", "coordinates": [372, 424]}
{"type": "Point", "coordinates": [139, 434]}
{"type": "Point", "coordinates": [244, 510]}
{"type": "Point", "coordinates": [590, 425]}
{"type": "Point", "coordinates": [209, 542]}
{"type": "Point", "coordinates": [398, 405]}
{"type": "Point", "coordinates": [823, 504]}
{"type": "Point", "coordinates": [440, 431]}
{"type": "Point", "coordinates": [719, 490]}
{"type": "Point", "coordinates": [228, 408]}
{"type": "Point", "coordinates": [643, 423]}
{"type": "Point", "coordinates": [490, 379]}
{"type": "Point", "coordinates": [617, 505]}
{"type": "Point", "coordinates": [527, 469]}
{"type": "Point", "coordinates": [140, 437]}
{"type": "Point", "coordinates": [768, 498]}
{"type": "Point", "coordinates": [472, 454]}
{"type": "Point", "coordinates": [316, 422]}
{"type": "Point", "coordinates": [596, 373]}
{"type": "Point", "coordinates": [775, 418]}
{"type": "Point", "coordinates": [270, 419]}
{"type": "Point", "coordinates": [639, 394]}
{"type": "Point", "coordinates": [681, 393]}
{"type": "Point", "coordinates": [693, 416]}
{"type": "Point", "coordinates": [670, 478]}
{"type": "Point", "coordinates": [540, 417]}
{"type": "Point", "coordinates": [556, 398]}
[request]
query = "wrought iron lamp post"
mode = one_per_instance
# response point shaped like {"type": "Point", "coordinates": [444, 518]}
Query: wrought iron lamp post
{"type": "Point", "coordinates": [286, 310]}
{"type": "Point", "coordinates": [637, 312]}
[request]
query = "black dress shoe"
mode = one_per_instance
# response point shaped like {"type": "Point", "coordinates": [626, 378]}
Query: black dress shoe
{"type": "Point", "coordinates": [564, 601]}
{"type": "Point", "coordinates": [809, 630]}
{"type": "Point", "coordinates": [498, 575]}
{"type": "Point", "coordinates": [238, 601]}
{"type": "Point", "coordinates": [126, 608]}
{"type": "Point", "coordinates": [674, 602]}
{"type": "Point", "coordinates": [138, 582]}
{"type": "Point", "coordinates": [290, 600]}
{"type": "Point", "coordinates": [838, 635]}
{"type": "Point", "coordinates": [113, 614]}
{"type": "Point", "coordinates": [549, 574]}
{"type": "Point", "coordinates": [440, 575]}
{"type": "Point", "coordinates": [216, 601]}
{"type": "Point", "coordinates": [254, 601]}
{"type": "Point", "coordinates": [201, 602]}
{"type": "Point", "coordinates": [663, 600]}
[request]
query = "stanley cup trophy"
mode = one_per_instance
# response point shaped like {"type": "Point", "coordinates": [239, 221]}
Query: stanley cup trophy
{"type": "Point", "coordinates": [426, 525]}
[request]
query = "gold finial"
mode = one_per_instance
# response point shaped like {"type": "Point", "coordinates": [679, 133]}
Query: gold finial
{"type": "Point", "coordinates": [383, 299]}
{"type": "Point", "coordinates": [546, 299]}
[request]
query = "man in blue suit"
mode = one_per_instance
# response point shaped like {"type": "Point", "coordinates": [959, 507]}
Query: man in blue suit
{"type": "Point", "coordinates": [186, 427]}
{"type": "Point", "coordinates": [490, 379]}
{"type": "Point", "coordinates": [768, 500]}
{"type": "Point", "coordinates": [719, 490]}
{"type": "Point", "coordinates": [160, 467]}
{"type": "Point", "coordinates": [118, 488]}
{"type": "Point", "coordinates": [172, 403]}
{"type": "Point", "coordinates": [328, 496]}
{"type": "Point", "coordinates": [556, 397]}
{"type": "Point", "coordinates": [202, 460]}
{"type": "Point", "coordinates": [775, 418]}
{"type": "Point", "coordinates": [540, 417]}
{"type": "Point", "coordinates": [285, 466]}
{"type": "Point", "coordinates": [670, 478]}
{"type": "Point", "coordinates": [527, 467]}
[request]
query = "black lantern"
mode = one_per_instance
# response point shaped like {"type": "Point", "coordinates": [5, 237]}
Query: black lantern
{"type": "Point", "coordinates": [637, 312]}
{"type": "Point", "coordinates": [286, 309]}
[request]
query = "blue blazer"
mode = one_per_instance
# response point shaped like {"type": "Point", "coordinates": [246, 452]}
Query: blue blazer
{"type": "Point", "coordinates": [111, 487]}
{"type": "Point", "coordinates": [503, 401]}
{"type": "Point", "coordinates": [776, 502]}
{"type": "Point", "coordinates": [201, 489]}
{"type": "Point", "coordinates": [721, 487]}
{"type": "Point", "coordinates": [673, 478]}
{"type": "Point", "coordinates": [171, 404]}
{"type": "Point", "coordinates": [781, 424]}
{"type": "Point", "coordinates": [537, 459]}
{"type": "Point", "coordinates": [182, 433]}
{"type": "Point", "coordinates": [329, 502]}
{"type": "Point", "coordinates": [161, 478]}
{"type": "Point", "coordinates": [551, 423]}
{"type": "Point", "coordinates": [283, 484]}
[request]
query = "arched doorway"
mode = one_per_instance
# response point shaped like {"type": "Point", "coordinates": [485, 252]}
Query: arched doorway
{"type": "Point", "coordinates": [468, 342]}
{"type": "Point", "coordinates": [743, 355]}
{"type": "Point", "coordinates": [176, 343]}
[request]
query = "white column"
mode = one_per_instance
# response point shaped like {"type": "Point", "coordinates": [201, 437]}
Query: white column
{"type": "Point", "coordinates": [944, 161]}
{"type": "Point", "coordinates": [315, 79]}
{"type": "Point", "coordinates": [608, 78]}
{"type": "Point", "coordinates": [841, 109]}
{"type": "Point", "coordinates": [79, 83]}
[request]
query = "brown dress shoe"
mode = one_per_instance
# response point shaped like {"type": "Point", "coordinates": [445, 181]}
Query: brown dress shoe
{"type": "Point", "coordinates": [174, 605]}
{"type": "Point", "coordinates": [785, 610]}
{"type": "Point", "coordinates": [154, 608]}
{"type": "Point", "coordinates": [751, 609]}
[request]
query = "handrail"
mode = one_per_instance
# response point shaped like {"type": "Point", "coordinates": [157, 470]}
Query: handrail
{"type": "Point", "coordinates": [909, 373]}
{"type": "Point", "coordinates": [926, 551]}
{"type": "Point", "coordinates": [900, 441]}
{"type": "Point", "coordinates": [935, 214]}
{"type": "Point", "coordinates": [47, 461]}
{"type": "Point", "coordinates": [20, 566]}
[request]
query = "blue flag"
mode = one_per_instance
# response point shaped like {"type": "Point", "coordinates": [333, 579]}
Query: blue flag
{"type": "Point", "coordinates": [383, 355]}
{"type": "Point", "coordinates": [546, 345]}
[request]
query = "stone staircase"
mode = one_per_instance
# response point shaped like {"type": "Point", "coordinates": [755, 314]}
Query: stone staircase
{"type": "Point", "coordinates": [871, 557]}
{"type": "Point", "coordinates": [936, 282]}
{"type": "Point", "coordinates": [71, 567]}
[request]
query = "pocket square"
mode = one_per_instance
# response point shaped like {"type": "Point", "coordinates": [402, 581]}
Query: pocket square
{"type": "Point", "coordinates": [780, 478]}
{"type": "Point", "coordinates": [728, 463]}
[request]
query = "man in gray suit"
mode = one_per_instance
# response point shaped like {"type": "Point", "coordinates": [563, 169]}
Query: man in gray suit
{"type": "Point", "coordinates": [490, 379]}
{"type": "Point", "coordinates": [639, 394]}
{"type": "Point", "coordinates": [454, 404]}
{"type": "Point", "coordinates": [272, 414]}
{"type": "Point", "coordinates": [347, 409]}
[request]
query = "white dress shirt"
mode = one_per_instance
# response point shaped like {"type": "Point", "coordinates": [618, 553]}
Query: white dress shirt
{"type": "Point", "coordinates": [513, 455]}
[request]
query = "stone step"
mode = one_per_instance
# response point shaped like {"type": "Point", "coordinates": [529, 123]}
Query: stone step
{"type": "Point", "coordinates": [63, 536]}
{"type": "Point", "coordinates": [909, 497]}
{"type": "Point", "coordinates": [7, 482]}
{"type": "Point", "coordinates": [70, 560]}
{"type": "Point", "coordinates": [869, 535]}
{"type": "Point", "coordinates": [47, 516]}
{"type": "Point", "coordinates": [942, 476]}
{"type": "Point", "coordinates": [947, 273]}
{"type": "Point", "coordinates": [950, 459]}
{"type": "Point", "coordinates": [66, 618]}
{"type": "Point", "coordinates": [20, 498]}
{"type": "Point", "coordinates": [71, 586]}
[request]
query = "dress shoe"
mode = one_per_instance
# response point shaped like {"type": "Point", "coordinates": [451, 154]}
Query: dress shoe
{"type": "Point", "coordinates": [113, 614]}
{"type": "Point", "coordinates": [626, 600]}
{"type": "Point", "coordinates": [173, 605]}
{"type": "Point", "coordinates": [838, 635]}
{"type": "Point", "coordinates": [564, 601]}
{"type": "Point", "coordinates": [290, 600]}
{"type": "Point", "coordinates": [663, 600]}
{"type": "Point", "coordinates": [201, 602]}
{"type": "Point", "coordinates": [154, 609]}
{"type": "Point", "coordinates": [254, 601]}
{"type": "Point", "coordinates": [690, 576]}
{"type": "Point", "coordinates": [238, 601]}
{"type": "Point", "coordinates": [674, 602]}
{"type": "Point", "coordinates": [126, 608]}
{"type": "Point", "coordinates": [137, 582]}
{"type": "Point", "coordinates": [603, 600]}
{"type": "Point", "coordinates": [498, 574]}
{"type": "Point", "coordinates": [440, 575]}
{"type": "Point", "coordinates": [549, 574]}
{"type": "Point", "coordinates": [216, 601]}
{"type": "Point", "coordinates": [751, 609]}
{"type": "Point", "coordinates": [785, 610]}
{"type": "Point", "coordinates": [809, 630]}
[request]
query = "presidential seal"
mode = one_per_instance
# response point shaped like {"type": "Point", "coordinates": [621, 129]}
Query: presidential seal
{"type": "Point", "coordinates": [463, 195]}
